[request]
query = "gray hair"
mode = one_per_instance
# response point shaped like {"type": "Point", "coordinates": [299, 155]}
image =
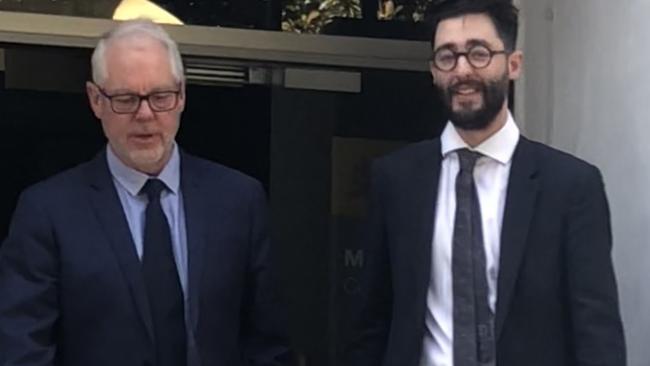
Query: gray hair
{"type": "Point", "coordinates": [132, 29]}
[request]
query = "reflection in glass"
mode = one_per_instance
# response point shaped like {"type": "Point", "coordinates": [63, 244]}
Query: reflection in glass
{"type": "Point", "coordinates": [133, 9]}
{"type": "Point", "coordinates": [311, 16]}
{"type": "Point", "coordinates": [251, 14]}
{"type": "Point", "coordinates": [404, 10]}
{"type": "Point", "coordinates": [372, 18]}
{"type": "Point", "coordinates": [366, 18]}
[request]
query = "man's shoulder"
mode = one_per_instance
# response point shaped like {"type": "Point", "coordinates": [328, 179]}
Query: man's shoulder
{"type": "Point", "coordinates": [61, 184]}
{"type": "Point", "coordinates": [548, 160]}
{"type": "Point", "coordinates": [213, 174]}
{"type": "Point", "coordinates": [555, 161]}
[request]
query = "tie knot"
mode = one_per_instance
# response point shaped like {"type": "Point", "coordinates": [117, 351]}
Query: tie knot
{"type": "Point", "coordinates": [152, 189]}
{"type": "Point", "coordinates": [467, 159]}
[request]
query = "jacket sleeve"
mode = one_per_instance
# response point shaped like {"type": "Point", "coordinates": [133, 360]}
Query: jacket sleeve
{"type": "Point", "coordinates": [29, 274]}
{"type": "Point", "coordinates": [596, 324]}
{"type": "Point", "coordinates": [264, 330]}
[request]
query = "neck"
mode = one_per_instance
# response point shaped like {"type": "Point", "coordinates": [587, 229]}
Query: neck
{"type": "Point", "coordinates": [151, 167]}
{"type": "Point", "coordinates": [155, 167]}
{"type": "Point", "coordinates": [474, 138]}
{"type": "Point", "coordinates": [152, 170]}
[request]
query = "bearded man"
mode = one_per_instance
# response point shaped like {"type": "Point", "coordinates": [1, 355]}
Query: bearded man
{"type": "Point", "coordinates": [483, 247]}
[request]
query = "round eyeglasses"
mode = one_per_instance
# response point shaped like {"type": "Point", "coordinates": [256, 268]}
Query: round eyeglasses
{"type": "Point", "coordinates": [478, 56]}
{"type": "Point", "coordinates": [126, 103]}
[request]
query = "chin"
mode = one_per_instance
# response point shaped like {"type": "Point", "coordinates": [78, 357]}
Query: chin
{"type": "Point", "coordinates": [149, 160]}
{"type": "Point", "coordinates": [470, 120]}
{"type": "Point", "coordinates": [467, 107]}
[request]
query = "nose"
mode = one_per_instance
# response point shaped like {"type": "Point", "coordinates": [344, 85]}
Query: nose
{"type": "Point", "coordinates": [144, 111]}
{"type": "Point", "coordinates": [463, 66]}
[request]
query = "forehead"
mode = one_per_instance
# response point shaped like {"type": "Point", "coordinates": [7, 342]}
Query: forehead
{"type": "Point", "coordinates": [469, 28]}
{"type": "Point", "coordinates": [139, 60]}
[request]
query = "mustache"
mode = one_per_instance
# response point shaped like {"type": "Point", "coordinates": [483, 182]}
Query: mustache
{"type": "Point", "coordinates": [474, 84]}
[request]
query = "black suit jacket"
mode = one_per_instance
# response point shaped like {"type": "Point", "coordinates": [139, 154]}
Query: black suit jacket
{"type": "Point", "coordinates": [557, 301]}
{"type": "Point", "coordinates": [71, 290]}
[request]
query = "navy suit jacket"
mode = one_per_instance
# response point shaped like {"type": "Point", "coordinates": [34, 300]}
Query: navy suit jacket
{"type": "Point", "coordinates": [557, 302]}
{"type": "Point", "coordinates": [71, 290]}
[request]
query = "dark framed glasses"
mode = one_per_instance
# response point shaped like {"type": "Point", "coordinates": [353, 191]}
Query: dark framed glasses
{"type": "Point", "coordinates": [126, 103]}
{"type": "Point", "coordinates": [478, 56]}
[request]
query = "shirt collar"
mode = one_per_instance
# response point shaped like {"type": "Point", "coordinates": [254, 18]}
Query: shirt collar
{"type": "Point", "coordinates": [500, 146]}
{"type": "Point", "coordinates": [133, 180]}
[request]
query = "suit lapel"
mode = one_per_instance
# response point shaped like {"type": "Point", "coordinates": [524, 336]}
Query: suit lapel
{"type": "Point", "coordinates": [195, 213]}
{"type": "Point", "coordinates": [519, 208]}
{"type": "Point", "coordinates": [422, 187]}
{"type": "Point", "coordinates": [106, 205]}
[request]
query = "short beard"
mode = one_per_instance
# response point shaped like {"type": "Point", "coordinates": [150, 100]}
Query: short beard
{"type": "Point", "coordinates": [149, 161]}
{"type": "Point", "coordinates": [494, 94]}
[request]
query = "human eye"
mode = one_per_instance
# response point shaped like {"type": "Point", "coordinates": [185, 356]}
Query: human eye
{"type": "Point", "coordinates": [479, 54]}
{"type": "Point", "coordinates": [125, 99]}
{"type": "Point", "coordinates": [445, 57]}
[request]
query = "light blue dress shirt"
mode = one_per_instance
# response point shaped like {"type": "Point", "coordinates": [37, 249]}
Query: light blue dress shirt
{"type": "Point", "coordinates": [128, 183]}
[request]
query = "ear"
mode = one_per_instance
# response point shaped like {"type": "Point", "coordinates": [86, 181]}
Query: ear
{"type": "Point", "coordinates": [94, 98]}
{"type": "Point", "coordinates": [515, 64]}
{"type": "Point", "coordinates": [181, 98]}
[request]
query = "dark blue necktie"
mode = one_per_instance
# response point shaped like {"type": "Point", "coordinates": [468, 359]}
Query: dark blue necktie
{"type": "Point", "coordinates": [473, 320]}
{"type": "Point", "coordinates": [162, 282]}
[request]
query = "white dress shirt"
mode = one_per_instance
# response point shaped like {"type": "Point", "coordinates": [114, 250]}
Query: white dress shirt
{"type": "Point", "coordinates": [491, 178]}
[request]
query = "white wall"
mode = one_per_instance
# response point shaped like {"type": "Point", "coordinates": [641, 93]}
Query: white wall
{"type": "Point", "coordinates": [533, 92]}
{"type": "Point", "coordinates": [587, 91]}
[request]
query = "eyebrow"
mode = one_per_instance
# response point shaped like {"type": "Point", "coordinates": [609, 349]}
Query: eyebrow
{"type": "Point", "coordinates": [154, 90]}
{"type": "Point", "coordinates": [469, 43]}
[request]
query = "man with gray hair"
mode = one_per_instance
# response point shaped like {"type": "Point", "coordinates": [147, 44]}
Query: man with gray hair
{"type": "Point", "coordinates": [144, 255]}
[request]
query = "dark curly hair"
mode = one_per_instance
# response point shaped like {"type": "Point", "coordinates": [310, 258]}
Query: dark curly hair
{"type": "Point", "coordinates": [504, 15]}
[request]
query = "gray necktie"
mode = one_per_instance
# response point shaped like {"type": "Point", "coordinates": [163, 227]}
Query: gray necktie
{"type": "Point", "coordinates": [473, 320]}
